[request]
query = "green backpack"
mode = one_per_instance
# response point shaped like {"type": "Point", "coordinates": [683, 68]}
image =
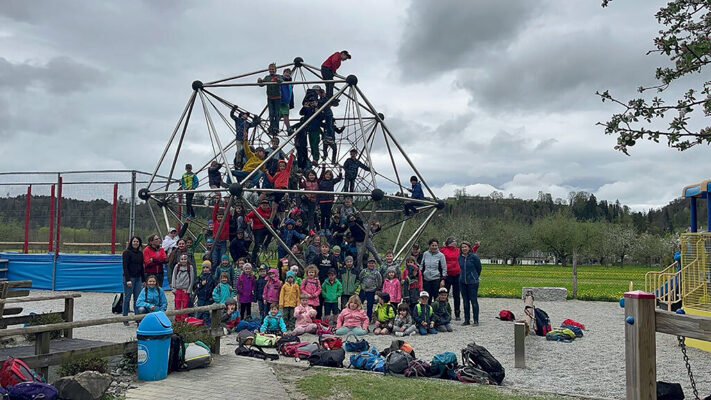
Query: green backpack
{"type": "Point", "coordinates": [561, 335]}
{"type": "Point", "coordinates": [265, 340]}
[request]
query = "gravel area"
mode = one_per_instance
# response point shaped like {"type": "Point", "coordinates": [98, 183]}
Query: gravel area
{"type": "Point", "coordinates": [589, 366]}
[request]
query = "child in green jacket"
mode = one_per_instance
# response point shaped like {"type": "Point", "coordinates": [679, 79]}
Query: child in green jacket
{"type": "Point", "coordinates": [331, 290]}
{"type": "Point", "coordinates": [383, 315]}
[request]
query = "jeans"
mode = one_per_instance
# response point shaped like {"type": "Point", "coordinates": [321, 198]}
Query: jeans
{"type": "Point", "coordinates": [327, 75]}
{"type": "Point", "coordinates": [218, 249]}
{"type": "Point", "coordinates": [373, 251]}
{"type": "Point", "coordinates": [204, 315]}
{"type": "Point", "coordinates": [408, 331]}
{"type": "Point", "coordinates": [451, 282]}
{"type": "Point", "coordinates": [189, 204]}
{"type": "Point", "coordinates": [445, 327]}
{"type": "Point", "coordinates": [410, 208]}
{"type": "Point", "coordinates": [142, 310]}
{"type": "Point", "coordinates": [262, 308]}
{"type": "Point", "coordinates": [260, 235]}
{"type": "Point", "coordinates": [310, 209]}
{"type": "Point", "coordinates": [325, 213]}
{"type": "Point", "coordinates": [425, 330]}
{"type": "Point", "coordinates": [470, 292]}
{"type": "Point", "coordinates": [330, 142]}
{"type": "Point", "coordinates": [356, 330]}
{"type": "Point", "coordinates": [273, 105]}
{"type": "Point", "coordinates": [245, 309]}
{"type": "Point", "coordinates": [254, 180]}
{"type": "Point", "coordinates": [349, 185]}
{"type": "Point", "coordinates": [370, 298]}
{"type": "Point", "coordinates": [330, 308]}
{"type": "Point", "coordinates": [431, 287]}
{"type": "Point", "coordinates": [135, 290]}
{"type": "Point", "coordinates": [302, 149]}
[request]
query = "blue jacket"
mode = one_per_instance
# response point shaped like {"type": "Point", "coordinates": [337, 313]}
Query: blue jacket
{"type": "Point", "coordinates": [152, 297]}
{"type": "Point", "coordinates": [471, 269]}
{"type": "Point", "coordinates": [350, 167]}
{"type": "Point", "coordinates": [273, 323]}
{"type": "Point", "coordinates": [204, 291]}
{"type": "Point", "coordinates": [287, 93]}
{"type": "Point", "coordinates": [222, 292]}
{"type": "Point", "coordinates": [288, 235]}
{"type": "Point", "coordinates": [259, 288]}
{"type": "Point", "coordinates": [417, 191]}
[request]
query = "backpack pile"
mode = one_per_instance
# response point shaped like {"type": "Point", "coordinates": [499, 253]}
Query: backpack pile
{"type": "Point", "coordinates": [300, 350]}
{"type": "Point", "coordinates": [324, 357]}
{"type": "Point", "coordinates": [418, 369]}
{"type": "Point", "coordinates": [480, 366]}
{"type": "Point", "coordinates": [19, 381]}
{"type": "Point", "coordinates": [254, 352]}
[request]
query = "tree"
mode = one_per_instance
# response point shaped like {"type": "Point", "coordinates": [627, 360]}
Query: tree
{"type": "Point", "coordinates": [617, 241]}
{"type": "Point", "coordinates": [686, 41]}
{"type": "Point", "coordinates": [556, 234]}
{"type": "Point", "coordinates": [511, 241]}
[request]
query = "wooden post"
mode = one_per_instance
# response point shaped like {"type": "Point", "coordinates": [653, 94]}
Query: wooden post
{"type": "Point", "coordinates": [215, 329]}
{"type": "Point", "coordinates": [68, 316]}
{"type": "Point", "coordinates": [575, 273]}
{"type": "Point", "coordinates": [640, 346]}
{"type": "Point", "coordinates": [519, 345]}
{"type": "Point", "coordinates": [42, 347]}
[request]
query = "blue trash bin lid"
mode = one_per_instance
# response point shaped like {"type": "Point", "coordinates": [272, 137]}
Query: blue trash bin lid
{"type": "Point", "coordinates": [156, 323]}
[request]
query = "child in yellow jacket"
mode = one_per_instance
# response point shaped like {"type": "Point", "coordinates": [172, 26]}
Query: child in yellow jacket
{"type": "Point", "coordinates": [289, 299]}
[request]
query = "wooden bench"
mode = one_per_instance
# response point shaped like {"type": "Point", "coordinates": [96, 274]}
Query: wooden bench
{"type": "Point", "coordinates": [17, 292]}
{"type": "Point", "coordinates": [43, 358]}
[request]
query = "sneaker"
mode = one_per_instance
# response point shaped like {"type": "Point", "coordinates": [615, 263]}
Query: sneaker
{"type": "Point", "coordinates": [125, 323]}
{"type": "Point", "coordinates": [465, 323]}
{"type": "Point", "coordinates": [225, 331]}
{"type": "Point", "coordinates": [475, 323]}
{"type": "Point", "coordinates": [399, 334]}
{"type": "Point", "coordinates": [457, 319]}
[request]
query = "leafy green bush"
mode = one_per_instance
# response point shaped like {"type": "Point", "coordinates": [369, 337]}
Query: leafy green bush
{"type": "Point", "coordinates": [45, 319]}
{"type": "Point", "coordinates": [192, 333]}
{"type": "Point", "coordinates": [73, 367]}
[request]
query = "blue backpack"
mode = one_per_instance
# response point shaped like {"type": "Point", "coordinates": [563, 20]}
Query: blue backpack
{"type": "Point", "coordinates": [576, 329]}
{"type": "Point", "coordinates": [356, 346]}
{"type": "Point", "coordinates": [33, 390]}
{"type": "Point", "coordinates": [360, 360]}
{"type": "Point", "coordinates": [444, 365]}
{"type": "Point", "coordinates": [250, 326]}
{"type": "Point", "coordinates": [376, 364]}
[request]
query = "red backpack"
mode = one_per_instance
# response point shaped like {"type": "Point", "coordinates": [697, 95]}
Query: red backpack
{"type": "Point", "coordinates": [331, 342]}
{"type": "Point", "coordinates": [14, 371]}
{"type": "Point", "coordinates": [301, 350]}
{"type": "Point", "coordinates": [506, 315]}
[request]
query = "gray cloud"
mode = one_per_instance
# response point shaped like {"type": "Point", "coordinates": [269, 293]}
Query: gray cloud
{"type": "Point", "coordinates": [60, 75]}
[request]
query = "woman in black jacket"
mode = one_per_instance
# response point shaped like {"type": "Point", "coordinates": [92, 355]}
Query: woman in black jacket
{"type": "Point", "coordinates": [133, 274]}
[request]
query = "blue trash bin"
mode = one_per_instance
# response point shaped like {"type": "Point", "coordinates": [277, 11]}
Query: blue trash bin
{"type": "Point", "coordinates": [153, 336]}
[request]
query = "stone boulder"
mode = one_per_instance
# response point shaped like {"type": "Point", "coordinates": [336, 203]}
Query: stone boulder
{"type": "Point", "coordinates": [88, 385]}
{"type": "Point", "coordinates": [546, 293]}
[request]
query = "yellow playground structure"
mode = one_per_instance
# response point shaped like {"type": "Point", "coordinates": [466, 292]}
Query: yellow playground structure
{"type": "Point", "coordinates": [686, 283]}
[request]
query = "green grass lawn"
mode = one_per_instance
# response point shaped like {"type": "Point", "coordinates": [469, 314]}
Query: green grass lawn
{"type": "Point", "coordinates": [594, 282]}
{"type": "Point", "coordinates": [360, 386]}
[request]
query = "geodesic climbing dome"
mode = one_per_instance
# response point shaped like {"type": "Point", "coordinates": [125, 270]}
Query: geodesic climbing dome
{"type": "Point", "coordinates": [205, 127]}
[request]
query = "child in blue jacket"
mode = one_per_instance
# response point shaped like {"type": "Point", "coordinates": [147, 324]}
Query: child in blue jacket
{"type": "Point", "coordinates": [152, 298]}
{"type": "Point", "coordinates": [273, 322]}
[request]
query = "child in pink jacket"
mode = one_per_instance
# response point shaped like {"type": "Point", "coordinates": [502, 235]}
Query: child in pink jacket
{"type": "Point", "coordinates": [273, 288]}
{"type": "Point", "coordinates": [304, 314]}
{"type": "Point", "coordinates": [392, 286]}
{"type": "Point", "coordinates": [311, 286]}
{"type": "Point", "coordinates": [352, 320]}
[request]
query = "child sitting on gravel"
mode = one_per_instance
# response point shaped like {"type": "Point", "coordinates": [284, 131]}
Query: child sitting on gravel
{"type": "Point", "coordinates": [304, 314]}
{"type": "Point", "coordinates": [442, 312]}
{"type": "Point", "coordinates": [404, 325]}
{"type": "Point", "coordinates": [383, 315]}
{"type": "Point", "coordinates": [424, 316]}
{"type": "Point", "coordinates": [273, 322]}
{"type": "Point", "coordinates": [352, 320]}
{"type": "Point", "coordinates": [231, 317]}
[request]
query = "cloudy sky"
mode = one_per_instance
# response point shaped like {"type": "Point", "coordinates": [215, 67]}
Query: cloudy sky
{"type": "Point", "coordinates": [487, 95]}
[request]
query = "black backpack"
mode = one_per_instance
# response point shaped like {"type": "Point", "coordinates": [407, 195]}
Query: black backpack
{"type": "Point", "coordinates": [543, 323]}
{"type": "Point", "coordinates": [397, 362]}
{"type": "Point", "coordinates": [255, 352]}
{"type": "Point", "coordinates": [328, 358]}
{"type": "Point", "coordinates": [176, 356]}
{"type": "Point", "coordinates": [117, 305]}
{"type": "Point", "coordinates": [669, 391]}
{"type": "Point", "coordinates": [286, 339]}
{"type": "Point", "coordinates": [479, 357]}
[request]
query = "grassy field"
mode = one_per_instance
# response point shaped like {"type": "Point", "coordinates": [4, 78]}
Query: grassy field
{"type": "Point", "coordinates": [594, 282]}
{"type": "Point", "coordinates": [361, 386]}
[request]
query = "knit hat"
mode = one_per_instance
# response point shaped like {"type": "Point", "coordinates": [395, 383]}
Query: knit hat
{"type": "Point", "coordinates": [225, 257]}
{"type": "Point", "coordinates": [290, 274]}
{"type": "Point", "coordinates": [349, 258]}
{"type": "Point", "coordinates": [230, 300]}
{"type": "Point", "coordinates": [206, 263]}
{"type": "Point", "coordinates": [246, 265]}
{"type": "Point", "coordinates": [336, 248]}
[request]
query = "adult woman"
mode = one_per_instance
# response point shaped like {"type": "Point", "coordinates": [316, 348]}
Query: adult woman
{"type": "Point", "coordinates": [469, 281]}
{"type": "Point", "coordinates": [132, 274]}
{"type": "Point", "coordinates": [451, 282]}
{"type": "Point", "coordinates": [153, 258]}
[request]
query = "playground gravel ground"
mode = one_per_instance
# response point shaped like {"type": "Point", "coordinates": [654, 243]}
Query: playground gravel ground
{"type": "Point", "coordinates": [590, 366]}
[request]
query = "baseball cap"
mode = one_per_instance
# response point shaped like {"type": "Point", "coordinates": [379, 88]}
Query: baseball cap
{"type": "Point", "coordinates": [424, 294]}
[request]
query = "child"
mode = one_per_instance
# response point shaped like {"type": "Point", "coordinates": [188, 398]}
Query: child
{"type": "Point", "coordinates": [223, 290]}
{"type": "Point", "coordinates": [182, 285]}
{"type": "Point", "coordinates": [289, 298]}
{"type": "Point", "coordinates": [273, 322]}
{"type": "Point", "coordinates": [370, 282]}
{"type": "Point", "coordinates": [311, 286]}
{"type": "Point", "coordinates": [304, 317]}
{"type": "Point", "coordinates": [424, 316]}
{"type": "Point", "coordinates": [225, 267]}
{"type": "Point", "coordinates": [189, 181]}
{"type": "Point", "coordinates": [331, 290]}
{"type": "Point", "coordinates": [411, 282]}
{"type": "Point", "coordinates": [259, 291]}
{"type": "Point", "coordinates": [404, 325]}
{"type": "Point", "coordinates": [325, 201]}
{"type": "Point", "coordinates": [152, 297]}
{"type": "Point", "coordinates": [287, 99]}
{"type": "Point", "coordinates": [442, 312]}
{"type": "Point", "coordinates": [416, 194]}
{"type": "Point", "coordinates": [204, 286]}
{"type": "Point", "coordinates": [309, 199]}
{"type": "Point", "coordinates": [389, 263]}
{"type": "Point", "coordinates": [272, 288]}
{"type": "Point", "coordinates": [392, 287]}
{"type": "Point", "coordinates": [231, 317]}
{"type": "Point", "coordinates": [213, 175]}
{"type": "Point", "coordinates": [245, 288]}
{"type": "Point", "coordinates": [239, 246]}
{"type": "Point", "coordinates": [273, 97]}
{"type": "Point", "coordinates": [280, 180]}
{"type": "Point", "coordinates": [239, 268]}
{"type": "Point", "coordinates": [352, 320]}
{"type": "Point", "coordinates": [289, 236]}
{"type": "Point", "coordinates": [241, 123]}
{"type": "Point", "coordinates": [350, 166]}
{"type": "Point", "coordinates": [348, 275]}
{"type": "Point", "coordinates": [338, 255]}
{"type": "Point", "coordinates": [383, 315]}
{"type": "Point", "coordinates": [295, 270]}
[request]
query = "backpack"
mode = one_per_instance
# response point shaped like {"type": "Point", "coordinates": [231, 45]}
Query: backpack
{"type": "Point", "coordinates": [328, 358]}
{"type": "Point", "coordinates": [469, 374]}
{"type": "Point", "coordinates": [265, 340]}
{"type": "Point", "coordinates": [248, 325]}
{"type": "Point", "coordinates": [245, 337]}
{"type": "Point", "coordinates": [363, 359]}
{"type": "Point", "coordinates": [669, 391]}
{"type": "Point", "coordinates": [575, 329]}
{"type": "Point", "coordinates": [194, 321]}
{"type": "Point", "coordinates": [561, 335]}
{"type": "Point", "coordinates": [397, 362]}
{"type": "Point", "coordinates": [479, 358]}
{"type": "Point", "coordinates": [197, 355]}
{"type": "Point", "coordinates": [286, 339]}
{"type": "Point", "coordinates": [117, 304]}
{"type": "Point", "coordinates": [506, 315]}
{"type": "Point", "coordinates": [176, 356]}
{"type": "Point", "coordinates": [357, 345]}
{"type": "Point", "coordinates": [32, 391]}
{"type": "Point", "coordinates": [14, 371]}
{"type": "Point", "coordinates": [4, 395]}
{"type": "Point", "coordinates": [323, 327]}
{"type": "Point", "coordinates": [255, 352]}
{"type": "Point", "coordinates": [418, 368]}
{"type": "Point", "coordinates": [445, 365]}
{"type": "Point", "coordinates": [331, 342]}
{"type": "Point", "coordinates": [300, 350]}
{"type": "Point", "coordinates": [569, 321]}
{"type": "Point", "coordinates": [543, 323]}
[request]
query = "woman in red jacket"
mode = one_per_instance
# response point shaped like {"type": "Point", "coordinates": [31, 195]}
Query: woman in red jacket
{"type": "Point", "coordinates": [154, 258]}
{"type": "Point", "coordinates": [451, 282]}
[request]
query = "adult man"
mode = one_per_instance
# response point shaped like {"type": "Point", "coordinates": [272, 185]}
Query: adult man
{"type": "Point", "coordinates": [153, 258]}
{"type": "Point", "coordinates": [434, 269]}
{"type": "Point", "coordinates": [329, 67]}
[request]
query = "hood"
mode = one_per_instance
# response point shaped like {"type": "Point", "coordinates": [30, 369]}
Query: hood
{"type": "Point", "coordinates": [289, 221]}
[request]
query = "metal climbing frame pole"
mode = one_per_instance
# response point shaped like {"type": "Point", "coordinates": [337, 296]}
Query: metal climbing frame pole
{"type": "Point", "coordinates": [417, 233]}
{"type": "Point", "coordinates": [113, 219]}
{"type": "Point", "coordinates": [362, 130]}
{"type": "Point", "coordinates": [25, 245]}
{"type": "Point", "coordinates": [50, 239]}
{"type": "Point", "coordinates": [132, 207]}
{"type": "Point", "coordinates": [59, 216]}
{"type": "Point", "coordinates": [692, 209]}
